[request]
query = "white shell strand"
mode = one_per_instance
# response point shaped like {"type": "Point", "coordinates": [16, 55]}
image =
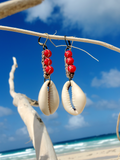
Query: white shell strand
{"type": "Point", "coordinates": [78, 98]}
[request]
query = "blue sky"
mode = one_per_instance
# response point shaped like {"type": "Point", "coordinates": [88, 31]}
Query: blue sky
{"type": "Point", "coordinates": [100, 81]}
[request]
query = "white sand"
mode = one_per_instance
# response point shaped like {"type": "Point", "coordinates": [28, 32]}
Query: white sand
{"type": "Point", "coordinates": [103, 154]}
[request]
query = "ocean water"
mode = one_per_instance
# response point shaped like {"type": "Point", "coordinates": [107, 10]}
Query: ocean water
{"type": "Point", "coordinates": [78, 145]}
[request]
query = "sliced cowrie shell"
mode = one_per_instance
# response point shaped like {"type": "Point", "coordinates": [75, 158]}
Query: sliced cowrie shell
{"type": "Point", "coordinates": [48, 99]}
{"type": "Point", "coordinates": [78, 98]}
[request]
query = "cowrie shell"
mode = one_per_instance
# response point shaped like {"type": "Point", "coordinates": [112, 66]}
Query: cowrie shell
{"type": "Point", "coordinates": [78, 98]}
{"type": "Point", "coordinates": [48, 99]}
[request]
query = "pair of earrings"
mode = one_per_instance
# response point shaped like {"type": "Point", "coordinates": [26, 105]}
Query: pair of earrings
{"type": "Point", "coordinates": [48, 98]}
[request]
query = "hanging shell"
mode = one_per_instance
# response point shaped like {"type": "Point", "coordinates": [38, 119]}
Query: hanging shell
{"type": "Point", "coordinates": [78, 98]}
{"type": "Point", "coordinates": [48, 99]}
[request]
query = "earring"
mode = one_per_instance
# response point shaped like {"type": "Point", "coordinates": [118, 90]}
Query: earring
{"type": "Point", "coordinates": [78, 96]}
{"type": "Point", "coordinates": [48, 98]}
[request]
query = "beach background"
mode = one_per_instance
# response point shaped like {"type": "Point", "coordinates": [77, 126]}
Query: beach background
{"type": "Point", "coordinates": [108, 144]}
{"type": "Point", "coordinates": [100, 81]}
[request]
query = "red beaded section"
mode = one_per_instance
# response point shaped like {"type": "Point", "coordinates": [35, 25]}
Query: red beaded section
{"type": "Point", "coordinates": [68, 54]}
{"type": "Point", "coordinates": [49, 69]}
{"type": "Point", "coordinates": [71, 68]}
{"type": "Point", "coordinates": [47, 61]}
{"type": "Point", "coordinates": [47, 53]}
{"type": "Point", "coordinates": [69, 60]}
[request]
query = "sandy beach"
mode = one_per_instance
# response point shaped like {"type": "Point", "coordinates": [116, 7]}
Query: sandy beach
{"type": "Point", "coordinates": [103, 154]}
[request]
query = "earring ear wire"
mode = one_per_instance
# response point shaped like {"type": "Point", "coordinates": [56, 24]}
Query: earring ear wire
{"type": "Point", "coordinates": [42, 44]}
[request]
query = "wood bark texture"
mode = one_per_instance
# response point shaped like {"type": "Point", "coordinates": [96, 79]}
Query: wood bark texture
{"type": "Point", "coordinates": [57, 37]}
{"type": "Point", "coordinates": [13, 6]}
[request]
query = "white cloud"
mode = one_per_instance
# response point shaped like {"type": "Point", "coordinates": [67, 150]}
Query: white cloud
{"type": "Point", "coordinates": [108, 79]}
{"type": "Point", "coordinates": [4, 135]}
{"type": "Point", "coordinates": [11, 139]}
{"type": "Point", "coordinates": [95, 96]}
{"type": "Point", "coordinates": [22, 131]}
{"type": "Point", "coordinates": [115, 115]}
{"type": "Point", "coordinates": [42, 11]}
{"type": "Point", "coordinates": [1, 124]}
{"type": "Point", "coordinates": [76, 122]}
{"type": "Point", "coordinates": [94, 18]}
{"type": "Point", "coordinates": [102, 103]}
{"type": "Point", "coordinates": [89, 102]}
{"type": "Point", "coordinates": [5, 111]}
{"type": "Point", "coordinates": [107, 104]}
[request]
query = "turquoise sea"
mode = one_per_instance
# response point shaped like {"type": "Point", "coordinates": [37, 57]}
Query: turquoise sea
{"type": "Point", "coordinates": [77, 145]}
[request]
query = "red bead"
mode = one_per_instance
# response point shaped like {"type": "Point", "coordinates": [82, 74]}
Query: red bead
{"type": "Point", "coordinates": [69, 60]}
{"type": "Point", "coordinates": [71, 68]}
{"type": "Point", "coordinates": [49, 69]}
{"type": "Point", "coordinates": [47, 53]}
{"type": "Point", "coordinates": [47, 61]}
{"type": "Point", "coordinates": [68, 54]}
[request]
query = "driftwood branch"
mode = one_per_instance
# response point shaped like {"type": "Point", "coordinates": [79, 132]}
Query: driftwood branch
{"type": "Point", "coordinates": [31, 101]}
{"type": "Point", "coordinates": [11, 84]}
{"type": "Point", "coordinates": [35, 126]}
{"type": "Point", "coordinates": [11, 78]}
{"type": "Point", "coordinates": [13, 6]}
{"type": "Point", "coordinates": [117, 127]}
{"type": "Point", "coordinates": [57, 37]}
